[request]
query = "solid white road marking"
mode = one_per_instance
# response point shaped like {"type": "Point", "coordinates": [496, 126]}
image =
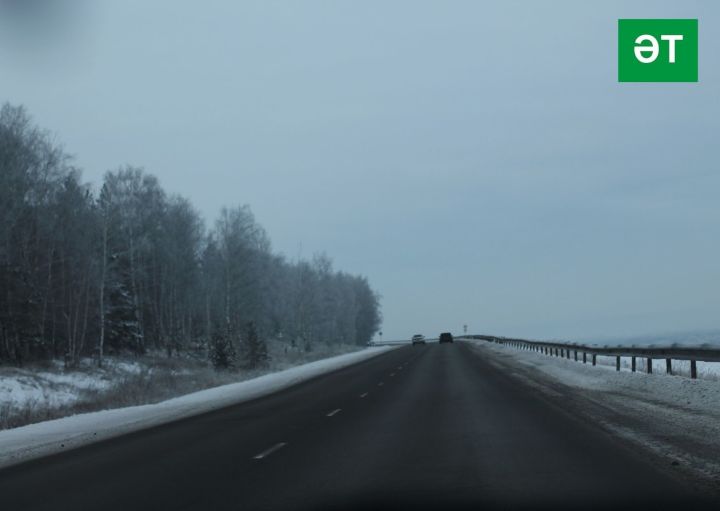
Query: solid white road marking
{"type": "Point", "coordinates": [268, 452]}
{"type": "Point", "coordinates": [363, 394]}
{"type": "Point", "coordinates": [337, 410]}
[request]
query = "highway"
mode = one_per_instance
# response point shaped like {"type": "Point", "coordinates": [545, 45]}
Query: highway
{"type": "Point", "coordinates": [425, 427]}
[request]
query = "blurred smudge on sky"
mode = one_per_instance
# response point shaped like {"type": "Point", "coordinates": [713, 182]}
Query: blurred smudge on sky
{"type": "Point", "coordinates": [37, 24]}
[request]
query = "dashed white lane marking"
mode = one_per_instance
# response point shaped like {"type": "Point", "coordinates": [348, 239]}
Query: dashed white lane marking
{"type": "Point", "coordinates": [269, 451]}
{"type": "Point", "coordinates": [337, 410]}
{"type": "Point", "coordinates": [364, 394]}
{"type": "Point", "coordinates": [380, 384]}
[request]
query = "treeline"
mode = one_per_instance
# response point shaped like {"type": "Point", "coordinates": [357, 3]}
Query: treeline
{"type": "Point", "coordinates": [131, 268]}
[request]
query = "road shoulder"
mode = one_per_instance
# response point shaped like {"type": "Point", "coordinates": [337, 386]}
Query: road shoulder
{"type": "Point", "coordinates": [672, 420]}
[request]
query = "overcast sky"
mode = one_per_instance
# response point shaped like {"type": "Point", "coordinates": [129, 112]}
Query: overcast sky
{"type": "Point", "coordinates": [477, 161]}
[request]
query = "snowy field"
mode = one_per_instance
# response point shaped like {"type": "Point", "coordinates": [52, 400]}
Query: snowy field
{"type": "Point", "coordinates": [706, 370]}
{"type": "Point", "coordinates": [685, 339]}
{"type": "Point", "coordinates": [676, 417]}
{"type": "Point", "coordinates": [54, 387]}
{"type": "Point", "coordinates": [37, 393]}
{"type": "Point", "coordinates": [53, 436]}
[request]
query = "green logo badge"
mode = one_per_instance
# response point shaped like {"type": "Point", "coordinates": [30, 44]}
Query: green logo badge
{"type": "Point", "coordinates": [657, 50]}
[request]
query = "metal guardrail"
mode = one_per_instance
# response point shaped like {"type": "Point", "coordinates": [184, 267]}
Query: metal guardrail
{"type": "Point", "coordinates": [704, 353]}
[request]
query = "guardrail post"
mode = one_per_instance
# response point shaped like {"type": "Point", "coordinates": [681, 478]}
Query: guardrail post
{"type": "Point", "coordinates": [649, 365]}
{"type": "Point", "coordinates": [693, 369]}
{"type": "Point", "coordinates": [575, 355]}
{"type": "Point", "coordinates": [584, 358]}
{"type": "Point", "coordinates": [567, 352]}
{"type": "Point", "coordinates": [594, 359]}
{"type": "Point", "coordinates": [634, 364]}
{"type": "Point", "coordinates": [668, 365]}
{"type": "Point", "coordinates": [617, 363]}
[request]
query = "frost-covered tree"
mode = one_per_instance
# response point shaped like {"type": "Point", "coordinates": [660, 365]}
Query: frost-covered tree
{"type": "Point", "coordinates": [130, 269]}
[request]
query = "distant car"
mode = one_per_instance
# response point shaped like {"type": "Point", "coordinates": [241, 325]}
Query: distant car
{"type": "Point", "coordinates": [446, 337]}
{"type": "Point", "coordinates": [418, 339]}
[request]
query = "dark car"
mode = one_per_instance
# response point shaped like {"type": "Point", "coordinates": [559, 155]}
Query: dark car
{"type": "Point", "coordinates": [446, 337]}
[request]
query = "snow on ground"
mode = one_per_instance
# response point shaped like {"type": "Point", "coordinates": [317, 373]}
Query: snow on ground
{"type": "Point", "coordinates": [676, 417]}
{"type": "Point", "coordinates": [22, 387]}
{"type": "Point", "coordinates": [44, 438]}
{"type": "Point", "coordinates": [48, 390]}
{"type": "Point", "coordinates": [686, 339]}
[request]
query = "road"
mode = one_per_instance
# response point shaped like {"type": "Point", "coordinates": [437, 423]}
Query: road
{"type": "Point", "coordinates": [423, 427]}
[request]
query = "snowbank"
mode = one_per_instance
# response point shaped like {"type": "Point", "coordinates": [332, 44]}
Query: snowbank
{"type": "Point", "coordinates": [42, 439]}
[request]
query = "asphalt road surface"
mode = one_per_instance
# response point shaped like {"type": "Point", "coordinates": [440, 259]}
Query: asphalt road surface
{"type": "Point", "coordinates": [425, 427]}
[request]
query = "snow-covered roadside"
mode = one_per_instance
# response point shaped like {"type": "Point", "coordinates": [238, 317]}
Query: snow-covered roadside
{"type": "Point", "coordinates": [55, 387]}
{"type": "Point", "coordinates": [48, 390]}
{"type": "Point", "coordinates": [42, 439]}
{"type": "Point", "coordinates": [676, 417]}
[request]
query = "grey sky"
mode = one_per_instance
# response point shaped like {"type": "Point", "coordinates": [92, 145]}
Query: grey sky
{"type": "Point", "coordinates": [478, 161]}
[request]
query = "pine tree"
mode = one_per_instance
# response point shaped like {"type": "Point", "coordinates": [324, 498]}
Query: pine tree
{"type": "Point", "coordinates": [222, 351]}
{"type": "Point", "coordinates": [123, 329]}
{"type": "Point", "coordinates": [256, 348]}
